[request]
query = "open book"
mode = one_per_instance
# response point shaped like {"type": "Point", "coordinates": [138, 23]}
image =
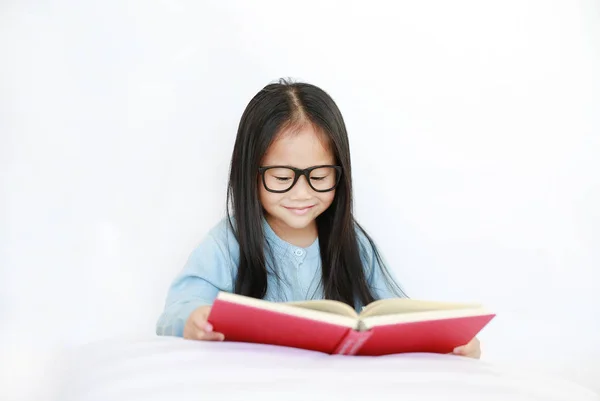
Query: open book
{"type": "Point", "coordinates": [383, 327]}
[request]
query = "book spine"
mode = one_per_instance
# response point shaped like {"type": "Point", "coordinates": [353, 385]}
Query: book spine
{"type": "Point", "coordinates": [352, 342]}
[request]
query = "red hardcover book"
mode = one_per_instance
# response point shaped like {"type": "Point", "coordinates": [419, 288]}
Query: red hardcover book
{"type": "Point", "coordinates": [384, 327]}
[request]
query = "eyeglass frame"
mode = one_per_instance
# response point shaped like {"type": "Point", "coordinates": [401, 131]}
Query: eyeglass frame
{"type": "Point", "coordinates": [301, 172]}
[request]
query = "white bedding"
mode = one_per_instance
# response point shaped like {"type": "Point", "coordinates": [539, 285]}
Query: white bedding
{"type": "Point", "coordinates": [169, 369]}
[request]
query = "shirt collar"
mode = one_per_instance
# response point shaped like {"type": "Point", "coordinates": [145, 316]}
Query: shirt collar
{"type": "Point", "coordinates": [283, 248]}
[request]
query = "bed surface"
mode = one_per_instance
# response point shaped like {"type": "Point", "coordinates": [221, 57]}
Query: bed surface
{"type": "Point", "coordinates": [166, 368]}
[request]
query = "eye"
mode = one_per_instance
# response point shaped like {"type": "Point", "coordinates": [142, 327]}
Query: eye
{"type": "Point", "coordinates": [317, 178]}
{"type": "Point", "coordinates": [283, 179]}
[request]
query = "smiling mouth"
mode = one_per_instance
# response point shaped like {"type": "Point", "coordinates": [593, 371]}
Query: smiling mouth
{"type": "Point", "coordinates": [299, 210]}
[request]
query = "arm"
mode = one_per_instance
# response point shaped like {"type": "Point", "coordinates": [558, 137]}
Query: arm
{"type": "Point", "coordinates": [206, 272]}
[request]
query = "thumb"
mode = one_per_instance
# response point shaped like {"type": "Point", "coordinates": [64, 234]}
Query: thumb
{"type": "Point", "coordinates": [459, 350]}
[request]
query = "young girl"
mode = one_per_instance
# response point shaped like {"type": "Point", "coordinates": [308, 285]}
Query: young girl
{"type": "Point", "coordinates": [290, 233]}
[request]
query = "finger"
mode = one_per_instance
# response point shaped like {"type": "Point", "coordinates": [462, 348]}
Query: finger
{"type": "Point", "coordinates": [200, 323]}
{"type": "Point", "coordinates": [203, 326]}
{"type": "Point", "coordinates": [210, 336]}
{"type": "Point", "coordinates": [195, 330]}
{"type": "Point", "coordinates": [199, 320]}
{"type": "Point", "coordinates": [462, 350]}
{"type": "Point", "coordinates": [470, 351]}
{"type": "Point", "coordinates": [476, 353]}
{"type": "Point", "coordinates": [474, 348]}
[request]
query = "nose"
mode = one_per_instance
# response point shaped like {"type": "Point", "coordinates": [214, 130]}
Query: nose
{"type": "Point", "coordinates": [301, 190]}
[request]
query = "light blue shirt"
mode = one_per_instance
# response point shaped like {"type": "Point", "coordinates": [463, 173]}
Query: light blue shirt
{"type": "Point", "coordinates": [212, 267]}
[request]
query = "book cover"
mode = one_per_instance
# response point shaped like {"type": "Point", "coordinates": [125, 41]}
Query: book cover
{"type": "Point", "coordinates": [391, 327]}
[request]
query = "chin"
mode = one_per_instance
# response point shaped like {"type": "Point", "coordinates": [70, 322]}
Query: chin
{"type": "Point", "coordinates": [297, 222]}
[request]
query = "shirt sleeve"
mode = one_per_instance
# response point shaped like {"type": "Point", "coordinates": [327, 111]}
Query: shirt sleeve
{"type": "Point", "coordinates": [206, 272]}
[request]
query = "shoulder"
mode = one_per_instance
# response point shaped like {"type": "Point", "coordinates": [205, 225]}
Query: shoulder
{"type": "Point", "coordinates": [220, 241]}
{"type": "Point", "coordinates": [222, 231]}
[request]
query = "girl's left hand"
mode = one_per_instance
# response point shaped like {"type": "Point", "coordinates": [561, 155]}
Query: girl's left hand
{"type": "Point", "coordinates": [471, 350]}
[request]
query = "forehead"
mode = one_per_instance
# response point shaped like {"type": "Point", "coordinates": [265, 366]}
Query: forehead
{"type": "Point", "coordinates": [299, 147]}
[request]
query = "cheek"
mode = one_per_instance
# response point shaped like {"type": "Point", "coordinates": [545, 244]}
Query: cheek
{"type": "Point", "coordinates": [327, 198]}
{"type": "Point", "coordinates": [268, 199]}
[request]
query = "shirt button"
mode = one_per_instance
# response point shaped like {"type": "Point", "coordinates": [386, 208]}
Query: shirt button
{"type": "Point", "coordinates": [299, 252]}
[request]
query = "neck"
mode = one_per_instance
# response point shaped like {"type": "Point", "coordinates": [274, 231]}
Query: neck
{"type": "Point", "coordinates": [301, 237]}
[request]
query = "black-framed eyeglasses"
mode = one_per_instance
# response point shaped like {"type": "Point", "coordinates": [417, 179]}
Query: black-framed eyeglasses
{"type": "Point", "coordinates": [279, 179]}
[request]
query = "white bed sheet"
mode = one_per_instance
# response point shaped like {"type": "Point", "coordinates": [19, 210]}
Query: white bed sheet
{"type": "Point", "coordinates": [168, 369]}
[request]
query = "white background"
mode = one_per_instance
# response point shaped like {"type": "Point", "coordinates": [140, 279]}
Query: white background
{"type": "Point", "coordinates": [475, 135]}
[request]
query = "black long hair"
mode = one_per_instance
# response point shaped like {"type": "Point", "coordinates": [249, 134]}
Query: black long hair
{"type": "Point", "coordinates": [277, 106]}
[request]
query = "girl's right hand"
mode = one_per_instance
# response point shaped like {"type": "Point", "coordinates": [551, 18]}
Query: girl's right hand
{"type": "Point", "coordinates": [198, 328]}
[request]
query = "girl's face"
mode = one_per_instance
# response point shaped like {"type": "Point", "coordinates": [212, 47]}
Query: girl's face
{"type": "Point", "coordinates": [295, 211]}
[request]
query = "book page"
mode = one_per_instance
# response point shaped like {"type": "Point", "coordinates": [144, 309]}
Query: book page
{"type": "Point", "coordinates": [403, 305]}
{"type": "Point", "coordinates": [421, 316]}
{"type": "Point", "coordinates": [314, 310]}
{"type": "Point", "coordinates": [335, 307]}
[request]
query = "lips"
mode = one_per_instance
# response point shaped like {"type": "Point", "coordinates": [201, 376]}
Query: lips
{"type": "Point", "coordinates": [299, 210]}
